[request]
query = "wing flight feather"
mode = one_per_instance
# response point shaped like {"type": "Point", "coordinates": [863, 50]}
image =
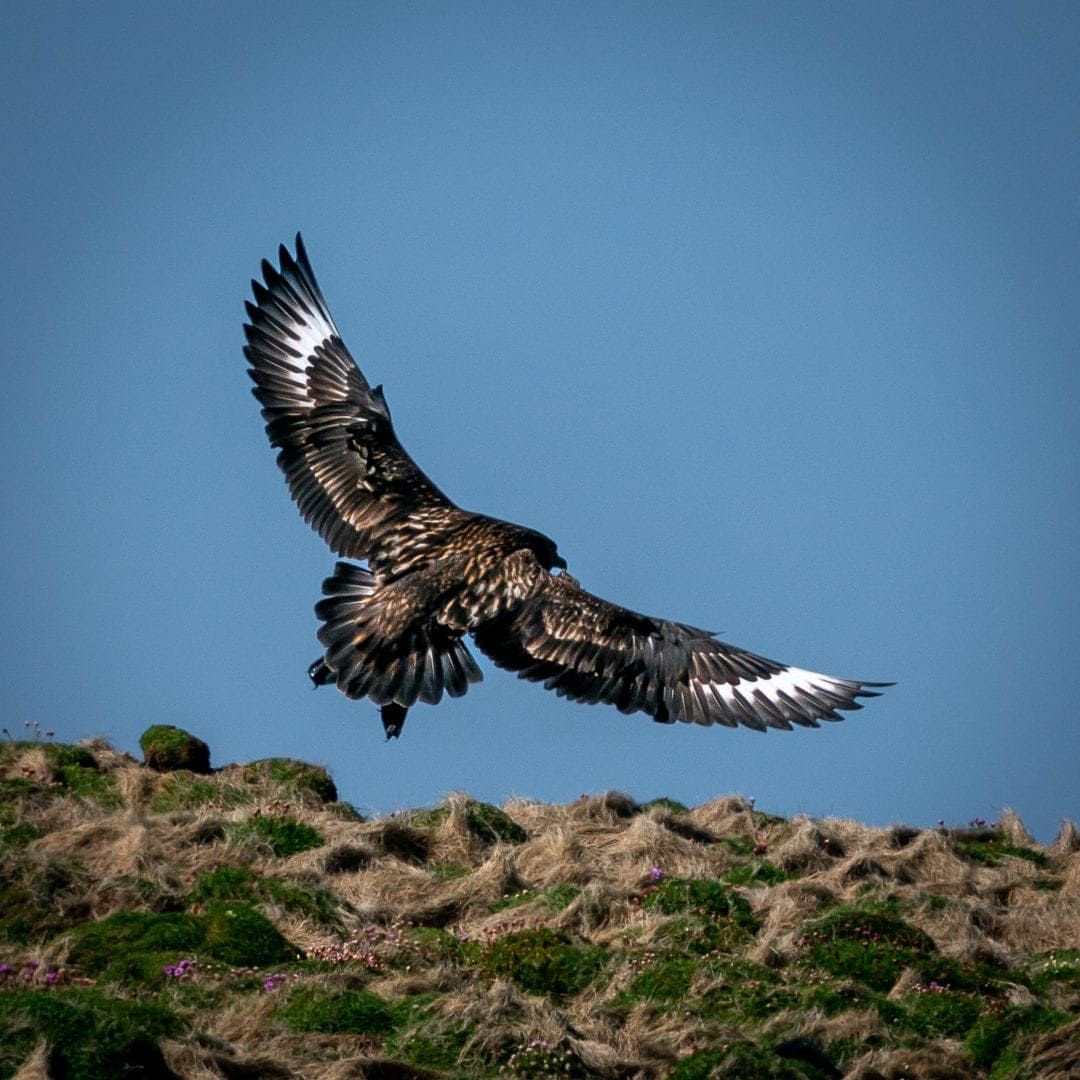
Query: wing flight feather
{"type": "Point", "coordinates": [589, 650]}
{"type": "Point", "coordinates": [350, 477]}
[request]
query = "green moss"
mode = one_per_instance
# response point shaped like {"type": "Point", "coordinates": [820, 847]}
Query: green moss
{"type": "Point", "coordinates": [744, 993]}
{"type": "Point", "coordinates": [666, 980]}
{"type": "Point", "coordinates": [66, 754]}
{"type": "Point", "coordinates": [991, 1038]}
{"type": "Point", "coordinates": [167, 748]}
{"type": "Point", "coordinates": [225, 883]}
{"type": "Point", "coordinates": [336, 1012]}
{"type": "Point", "coordinates": [134, 947]}
{"type": "Point", "coordinates": [34, 891]}
{"type": "Point", "coordinates": [90, 1036]}
{"type": "Point", "coordinates": [738, 845]}
{"type": "Point", "coordinates": [487, 823]}
{"type": "Point", "coordinates": [744, 1061]}
{"type": "Point", "coordinates": [990, 846]}
{"type": "Point", "coordinates": [237, 934]}
{"type": "Point", "coordinates": [434, 1049]}
{"type": "Point", "coordinates": [291, 778]}
{"type": "Point", "coordinates": [449, 871]}
{"type": "Point", "coordinates": [870, 944]}
{"type": "Point", "coordinates": [185, 791]}
{"type": "Point", "coordinates": [491, 825]}
{"type": "Point", "coordinates": [285, 836]}
{"type": "Point", "coordinates": [670, 806]}
{"type": "Point", "coordinates": [759, 872]}
{"type": "Point", "coordinates": [707, 899]}
{"type": "Point", "coordinates": [17, 834]}
{"type": "Point", "coordinates": [936, 1013]}
{"type": "Point", "coordinates": [541, 961]}
{"type": "Point", "coordinates": [88, 784]}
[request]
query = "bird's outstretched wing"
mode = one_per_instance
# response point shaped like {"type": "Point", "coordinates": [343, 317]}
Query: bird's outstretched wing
{"type": "Point", "coordinates": [589, 650]}
{"type": "Point", "coordinates": [349, 475]}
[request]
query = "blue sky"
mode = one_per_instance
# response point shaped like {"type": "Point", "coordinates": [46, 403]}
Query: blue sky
{"type": "Point", "coordinates": [768, 314]}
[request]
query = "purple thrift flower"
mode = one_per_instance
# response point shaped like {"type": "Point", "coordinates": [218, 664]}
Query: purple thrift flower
{"type": "Point", "coordinates": [52, 977]}
{"type": "Point", "coordinates": [170, 969]}
{"type": "Point", "coordinates": [656, 874]}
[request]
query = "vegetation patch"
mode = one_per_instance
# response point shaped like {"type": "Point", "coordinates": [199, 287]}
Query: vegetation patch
{"type": "Point", "coordinates": [35, 894]}
{"type": "Point", "coordinates": [336, 1012]}
{"type": "Point", "coordinates": [870, 944]}
{"type": "Point", "coordinates": [168, 748]}
{"type": "Point", "coordinates": [186, 791]}
{"type": "Point", "coordinates": [705, 899]}
{"type": "Point", "coordinates": [90, 1035]}
{"type": "Point", "coordinates": [935, 1011]}
{"type": "Point", "coordinates": [747, 1061]}
{"type": "Point", "coordinates": [284, 835]}
{"type": "Point", "coordinates": [243, 884]}
{"type": "Point", "coordinates": [990, 846]}
{"type": "Point", "coordinates": [542, 961]}
{"type": "Point", "coordinates": [136, 947]}
{"type": "Point", "coordinates": [666, 979]}
{"type": "Point", "coordinates": [993, 1040]}
{"type": "Point", "coordinates": [290, 778]}
{"type": "Point", "coordinates": [759, 872]}
{"type": "Point", "coordinates": [190, 951]}
{"type": "Point", "coordinates": [487, 823]}
{"type": "Point", "coordinates": [670, 806]}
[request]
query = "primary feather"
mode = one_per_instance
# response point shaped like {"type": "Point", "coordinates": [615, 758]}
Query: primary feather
{"type": "Point", "coordinates": [393, 632]}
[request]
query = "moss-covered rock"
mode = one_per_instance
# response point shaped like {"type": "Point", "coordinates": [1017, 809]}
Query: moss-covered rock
{"type": "Point", "coordinates": [167, 748]}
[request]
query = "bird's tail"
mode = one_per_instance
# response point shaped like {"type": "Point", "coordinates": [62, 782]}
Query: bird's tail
{"type": "Point", "coordinates": [380, 645]}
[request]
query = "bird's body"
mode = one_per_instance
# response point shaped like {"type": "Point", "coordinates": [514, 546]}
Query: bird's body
{"type": "Point", "coordinates": [394, 631]}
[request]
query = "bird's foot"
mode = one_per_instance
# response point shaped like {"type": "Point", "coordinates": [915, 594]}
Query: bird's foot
{"type": "Point", "coordinates": [393, 719]}
{"type": "Point", "coordinates": [321, 674]}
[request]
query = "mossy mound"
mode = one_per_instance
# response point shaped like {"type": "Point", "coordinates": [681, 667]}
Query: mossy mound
{"type": "Point", "coordinates": [868, 943]}
{"type": "Point", "coordinates": [136, 947]}
{"type": "Point", "coordinates": [485, 822]}
{"type": "Point", "coordinates": [89, 1035]}
{"type": "Point", "coordinates": [283, 835]}
{"type": "Point", "coordinates": [167, 748]}
{"type": "Point", "coordinates": [241, 883]}
{"type": "Point", "coordinates": [542, 961]}
{"type": "Point", "coordinates": [290, 778]}
{"type": "Point", "coordinates": [705, 899]}
{"type": "Point", "coordinates": [336, 1012]}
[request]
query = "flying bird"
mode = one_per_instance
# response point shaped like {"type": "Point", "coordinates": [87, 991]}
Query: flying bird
{"type": "Point", "coordinates": [394, 630]}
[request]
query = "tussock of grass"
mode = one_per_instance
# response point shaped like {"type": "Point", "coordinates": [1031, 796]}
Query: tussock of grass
{"type": "Point", "coordinates": [242, 922]}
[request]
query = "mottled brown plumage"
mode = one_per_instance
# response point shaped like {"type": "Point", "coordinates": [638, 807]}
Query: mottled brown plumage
{"type": "Point", "coordinates": [393, 632]}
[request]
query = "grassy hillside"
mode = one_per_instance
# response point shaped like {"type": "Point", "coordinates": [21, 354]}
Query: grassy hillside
{"type": "Point", "coordinates": [244, 923]}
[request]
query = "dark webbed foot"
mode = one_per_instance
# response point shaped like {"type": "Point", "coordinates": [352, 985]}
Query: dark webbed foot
{"type": "Point", "coordinates": [320, 674]}
{"type": "Point", "coordinates": [393, 719]}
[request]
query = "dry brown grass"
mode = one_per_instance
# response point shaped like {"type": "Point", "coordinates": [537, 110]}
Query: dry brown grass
{"type": "Point", "coordinates": [140, 840]}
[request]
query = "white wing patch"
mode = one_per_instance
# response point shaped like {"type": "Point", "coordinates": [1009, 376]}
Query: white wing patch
{"type": "Point", "coordinates": [791, 693]}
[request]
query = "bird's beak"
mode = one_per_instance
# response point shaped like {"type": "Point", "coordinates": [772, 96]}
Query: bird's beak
{"type": "Point", "coordinates": [559, 561]}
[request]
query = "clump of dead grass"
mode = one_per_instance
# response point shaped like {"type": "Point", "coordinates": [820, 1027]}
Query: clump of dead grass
{"type": "Point", "coordinates": [498, 939]}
